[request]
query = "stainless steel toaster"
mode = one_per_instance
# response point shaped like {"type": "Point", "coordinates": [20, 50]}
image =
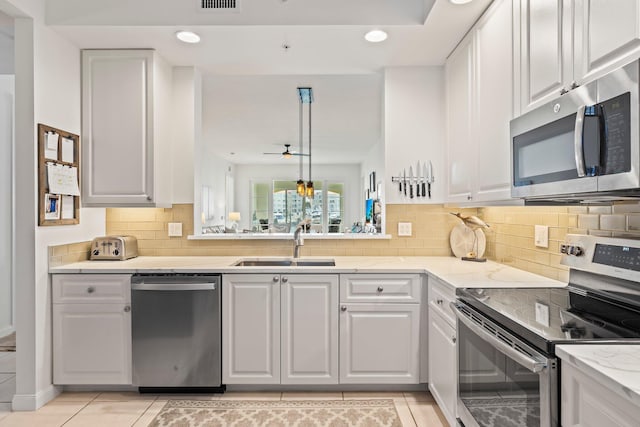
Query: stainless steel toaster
{"type": "Point", "coordinates": [114, 248]}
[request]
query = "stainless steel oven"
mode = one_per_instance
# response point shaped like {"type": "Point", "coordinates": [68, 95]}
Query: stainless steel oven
{"type": "Point", "coordinates": [501, 379]}
{"type": "Point", "coordinates": [507, 365]}
{"type": "Point", "coordinates": [584, 144]}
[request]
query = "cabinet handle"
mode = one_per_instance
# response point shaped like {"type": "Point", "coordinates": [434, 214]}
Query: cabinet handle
{"type": "Point", "coordinates": [380, 289]}
{"type": "Point", "coordinates": [127, 308]}
{"type": "Point", "coordinates": [453, 340]}
{"type": "Point", "coordinates": [439, 301]}
{"type": "Point", "coordinates": [343, 308]}
{"type": "Point", "coordinates": [285, 279]}
{"type": "Point", "coordinates": [91, 289]}
{"type": "Point", "coordinates": [275, 278]}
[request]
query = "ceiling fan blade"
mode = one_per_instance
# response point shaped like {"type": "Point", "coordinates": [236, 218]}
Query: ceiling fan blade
{"type": "Point", "coordinates": [279, 154]}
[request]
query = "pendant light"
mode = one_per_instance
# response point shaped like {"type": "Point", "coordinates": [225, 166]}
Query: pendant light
{"type": "Point", "coordinates": [306, 97]}
{"type": "Point", "coordinates": [300, 189]}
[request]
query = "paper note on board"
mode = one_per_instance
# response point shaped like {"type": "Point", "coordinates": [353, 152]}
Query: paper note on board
{"type": "Point", "coordinates": [67, 207]}
{"type": "Point", "coordinates": [67, 150]}
{"type": "Point", "coordinates": [63, 179]}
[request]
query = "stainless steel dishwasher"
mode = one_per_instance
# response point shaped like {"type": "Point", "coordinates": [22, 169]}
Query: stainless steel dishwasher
{"type": "Point", "coordinates": [176, 331]}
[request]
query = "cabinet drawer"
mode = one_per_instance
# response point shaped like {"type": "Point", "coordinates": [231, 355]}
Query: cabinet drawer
{"type": "Point", "coordinates": [397, 288]}
{"type": "Point", "coordinates": [82, 288]}
{"type": "Point", "coordinates": [440, 295]}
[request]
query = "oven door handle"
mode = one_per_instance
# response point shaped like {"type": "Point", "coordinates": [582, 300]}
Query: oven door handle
{"type": "Point", "coordinates": [578, 146]}
{"type": "Point", "coordinates": [525, 360]}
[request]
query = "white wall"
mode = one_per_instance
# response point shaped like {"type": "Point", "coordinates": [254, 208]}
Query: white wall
{"type": "Point", "coordinates": [47, 91]}
{"type": "Point", "coordinates": [6, 182]}
{"type": "Point", "coordinates": [348, 174]}
{"type": "Point", "coordinates": [414, 127]}
{"type": "Point", "coordinates": [186, 124]}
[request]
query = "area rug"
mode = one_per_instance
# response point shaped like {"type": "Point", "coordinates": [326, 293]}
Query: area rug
{"type": "Point", "coordinates": [8, 343]}
{"type": "Point", "coordinates": [278, 413]}
{"type": "Point", "coordinates": [505, 412]}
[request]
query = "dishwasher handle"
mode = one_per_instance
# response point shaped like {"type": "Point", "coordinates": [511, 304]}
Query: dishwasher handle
{"type": "Point", "coordinates": [173, 286]}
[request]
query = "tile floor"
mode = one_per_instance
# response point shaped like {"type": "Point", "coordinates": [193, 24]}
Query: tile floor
{"type": "Point", "coordinates": [416, 409]}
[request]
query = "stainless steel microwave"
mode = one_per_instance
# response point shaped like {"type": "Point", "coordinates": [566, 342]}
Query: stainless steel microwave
{"type": "Point", "coordinates": [581, 146]}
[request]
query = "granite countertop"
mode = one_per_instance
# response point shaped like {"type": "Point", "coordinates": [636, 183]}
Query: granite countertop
{"type": "Point", "coordinates": [615, 366]}
{"type": "Point", "coordinates": [452, 270]}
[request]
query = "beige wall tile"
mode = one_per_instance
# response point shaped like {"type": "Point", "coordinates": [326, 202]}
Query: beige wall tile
{"type": "Point", "coordinates": [613, 222]}
{"type": "Point", "coordinates": [588, 221]}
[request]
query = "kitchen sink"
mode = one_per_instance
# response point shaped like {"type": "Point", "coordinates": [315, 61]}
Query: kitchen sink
{"type": "Point", "coordinates": [285, 263]}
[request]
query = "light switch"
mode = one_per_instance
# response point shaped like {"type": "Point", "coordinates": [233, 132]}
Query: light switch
{"type": "Point", "coordinates": [542, 314]}
{"type": "Point", "coordinates": [541, 236]}
{"type": "Point", "coordinates": [175, 229]}
{"type": "Point", "coordinates": [404, 229]}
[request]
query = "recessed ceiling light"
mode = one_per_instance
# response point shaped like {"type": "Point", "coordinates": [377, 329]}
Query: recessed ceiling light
{"type": "Point", "coordinates": [375, 36]}
{"type": "Point", "coordinates": [460, 1]}
{"type": "Point", "coordinates": [188, 37]}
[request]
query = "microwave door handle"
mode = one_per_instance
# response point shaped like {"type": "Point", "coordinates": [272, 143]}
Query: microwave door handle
{"type": "Point", "coordinates": [578, 147]}
{"type": "Point", "coordinates": [528, 362]}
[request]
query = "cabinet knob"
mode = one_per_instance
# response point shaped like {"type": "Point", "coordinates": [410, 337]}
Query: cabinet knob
{"type": "Point", "coordinates": [285, 279]}
{"type": "Point", "coordinates": [563, 91]}
{"type": "Point", "coordinates": [343, 308]}
{"type": "Point", "coordinates": [574, 85]}
{"type": "Point", "coordinates": [149, 198]}
{"type": "Point", "coordinates": [275, 278]}
{"type": "Point", "coordinates": [91, 290]}
{"type": "Point", "coordinates": [453, 340]}
{"type": "Point", "coordinates": [439, 301]}
{"type": "Point", "coordinates": [127, 308]}
{"type": "Point", "coordinates": [469, 197]}
{"type": "Point", "coordinates": [380, 289]}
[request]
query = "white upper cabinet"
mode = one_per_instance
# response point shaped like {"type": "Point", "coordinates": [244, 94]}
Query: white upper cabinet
{"type": "Point", "coordinates": [545, 51]}
{"type": "Point", "coordinates": [606, 36]}
{"type": "Point", "coordinates": [479, 84]}
{"type": "Point", "coordinates": [567, 43]}
{"type": "Point", "coordinates": [126, 128]}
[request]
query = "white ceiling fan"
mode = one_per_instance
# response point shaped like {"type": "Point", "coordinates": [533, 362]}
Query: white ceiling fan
{"type": "Point", "coordinates": [287, 154]}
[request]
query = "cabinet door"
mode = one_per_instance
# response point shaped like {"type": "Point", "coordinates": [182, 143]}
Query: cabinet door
{"type": "Point", "coordinates": [379, 343]}
{"type": "Point", "coordinates": [586, 402]}
{"type": "Point", "coordinates": [493, 102]}
{"type": "Point", "coordinates": [607, 35]}
{"type": "Point", "coordinates": [309, 330]}
{"type": "Point", "coordinates": [460, 151]}
{"type": "Point", "coordinates": [92, 343]}
{"type": "Point", "coordinates": [250, 329]}
{"type": "Point", "coordinates": [117, 127]}
{"type": "Point", "coordinates": [443, 379]}
{"type": "Point", "coordinates": [546, 56]}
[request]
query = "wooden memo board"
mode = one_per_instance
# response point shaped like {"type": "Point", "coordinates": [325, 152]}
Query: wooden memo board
{"type": "Point", "coordinates": [61, 151]}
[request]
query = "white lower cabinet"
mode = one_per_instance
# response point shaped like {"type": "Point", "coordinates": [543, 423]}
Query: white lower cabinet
{"type": "Point", "coordinates": [379, 343]}
{"type": "Point", "coordinates": [443, 350]}
{"type": "Point", "coordinates": [443, 381]}
{"type": "Point", "coordinates": [586, 402]}
{"type": "Point", "coordinates": [280, 329]}
{"type": "Point", "coordinates": [91, 329]}
{"type": "Point", "coordinates": [251, 329]}
{"type": "Point", "coordinates": [309, 330]}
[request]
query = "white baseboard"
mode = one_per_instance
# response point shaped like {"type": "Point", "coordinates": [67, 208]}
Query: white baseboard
{"type": "Point", "coordinates": [32, 402]}
{"type": "Point", "coordinates": [7, 330]}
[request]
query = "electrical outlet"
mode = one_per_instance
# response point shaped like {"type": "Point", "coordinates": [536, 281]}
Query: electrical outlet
{"type": "Point", "coordinates": [175, 229]}
{"type": "Point", "coordinates": [404, 229]}
{"type": "Point", "coordinates": [541, 236]}
{"type": "Point", "coordinates": [542, 314]}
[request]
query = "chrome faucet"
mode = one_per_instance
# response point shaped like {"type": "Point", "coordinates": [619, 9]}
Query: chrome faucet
{"type": "Point", "coordinates": [297, 238]}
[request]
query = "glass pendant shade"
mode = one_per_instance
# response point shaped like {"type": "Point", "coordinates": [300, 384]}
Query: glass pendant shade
{"type": "Point", "coordinates": [300, 188]}
{"type": "Point", "coordinates": [310, 189]}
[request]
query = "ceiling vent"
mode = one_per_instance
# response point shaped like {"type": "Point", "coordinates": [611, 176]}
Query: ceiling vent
{"type": "Point", "coordinates": [220, 5]}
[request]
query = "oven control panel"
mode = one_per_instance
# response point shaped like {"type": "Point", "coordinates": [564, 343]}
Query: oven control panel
{"type": "Point", "coordinates": [602, 255]}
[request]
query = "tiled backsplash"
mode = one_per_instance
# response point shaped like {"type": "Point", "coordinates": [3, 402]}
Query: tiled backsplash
{"type": "Point", "coordinates": [510, 239]}
{"type": "Point", "coordinates": [431, 227]}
